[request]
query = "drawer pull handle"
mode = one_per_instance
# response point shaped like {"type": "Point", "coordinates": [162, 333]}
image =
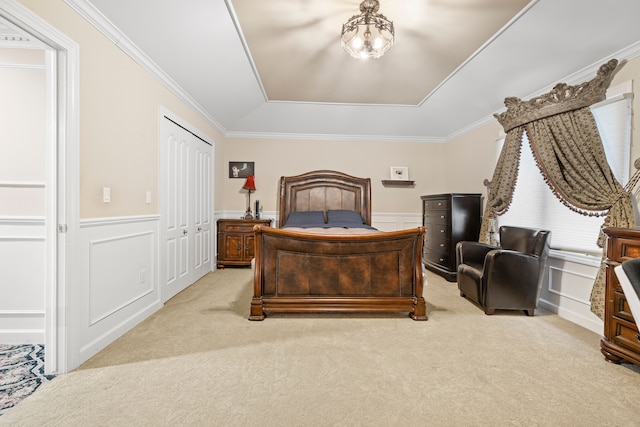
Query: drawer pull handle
{"type": "Point", "coordinates": [442, 231]}
{"type": "Point", "coordinates": [442, 217]}
{"type": "Point", "coordinates": [239, 247]}
{"type": "Point", "coordinates": [638, 337]}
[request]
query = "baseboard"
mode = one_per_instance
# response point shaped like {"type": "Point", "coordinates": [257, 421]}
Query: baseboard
{"type": "Point", "coordinates": [101, 342]}
{"type": "Point", "coordinates": [595, 325]}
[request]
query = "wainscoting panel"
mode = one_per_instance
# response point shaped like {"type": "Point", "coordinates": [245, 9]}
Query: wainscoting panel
{"type": "Point", "coordinates": [22, 280]}
{"type": "Point", "coordinates": [115, 282]}
{"type": "Point", "coordinates": [395, 222]}
{"type": "Point", "coordinates": [567, 288]}
{"type": "Point", "coordinates": [119, 274]}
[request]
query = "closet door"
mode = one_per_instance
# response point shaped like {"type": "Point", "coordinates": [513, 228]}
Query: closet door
{"type": "Point", "coordinates": [186, 208]}
{"type": "Point", "coordinates": [202, 261]}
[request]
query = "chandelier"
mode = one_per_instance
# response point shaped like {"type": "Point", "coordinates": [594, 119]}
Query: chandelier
{"type": "Point", "coordinates": [368, 35]}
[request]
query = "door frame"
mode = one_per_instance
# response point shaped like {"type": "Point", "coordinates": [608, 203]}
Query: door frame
{"type": "Point", "coordinates": [164, 114]}
{"type": "Point", "coordinates": [62, 186]}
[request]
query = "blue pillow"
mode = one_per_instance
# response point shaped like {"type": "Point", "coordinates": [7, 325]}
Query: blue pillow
{"type": "Point", "coordinates": [305, 219]}
{"type": "Point", "coordinates": [342, 218]}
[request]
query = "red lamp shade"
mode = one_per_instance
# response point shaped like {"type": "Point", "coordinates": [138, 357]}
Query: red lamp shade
{"type": "Point", "coordinates": [249, 184]}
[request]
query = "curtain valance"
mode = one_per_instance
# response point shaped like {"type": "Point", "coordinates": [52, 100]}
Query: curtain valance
{"type": "Point", "coordinates": [560, 99]}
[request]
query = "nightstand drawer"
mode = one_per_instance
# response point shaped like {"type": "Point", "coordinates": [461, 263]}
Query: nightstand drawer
{"type": "Point", "coordinates": [621, 307]}
{"type": "Point", "coordinates": [241, 228]}
{"type": "Point", "coordinates": [626, 334]}
{"type": "Point", "coordinates": [624, 249]}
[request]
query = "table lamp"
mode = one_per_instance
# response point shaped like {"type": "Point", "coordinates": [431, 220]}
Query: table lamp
{"type": "Point", "coordinates": [250, 186]}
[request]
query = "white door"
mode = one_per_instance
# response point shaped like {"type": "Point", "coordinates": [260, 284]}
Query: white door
{"type": "Point", "coordinates": [202, 261]}
{"type": "Point", "coordinates": [28, 169]}
{"type": "Point", "coordinates": [187, 208]}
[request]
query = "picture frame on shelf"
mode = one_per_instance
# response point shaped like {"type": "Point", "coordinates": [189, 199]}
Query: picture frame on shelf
{"type": "Point", "coordinates": [399, 173]}
{"type": "Point", "coordinates": [241, 169]}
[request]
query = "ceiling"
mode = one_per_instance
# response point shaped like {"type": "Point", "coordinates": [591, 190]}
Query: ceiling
{"type": "Point", "coordinates": [275, 68]}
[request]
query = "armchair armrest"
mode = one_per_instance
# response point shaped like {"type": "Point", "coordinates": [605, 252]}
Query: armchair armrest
{"type": "Point", "coordinates": [468, 252]}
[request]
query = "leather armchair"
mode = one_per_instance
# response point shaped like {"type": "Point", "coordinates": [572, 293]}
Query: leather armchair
{"type": "Point", "coordinates": [508, 277]}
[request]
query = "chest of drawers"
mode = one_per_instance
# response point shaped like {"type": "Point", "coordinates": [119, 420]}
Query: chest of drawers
{"type": "Point", "coordinates": [235, 241]}
{"type": "Point", "coordinates": [448, 219]}
{"type": "Point", "coordinates": [621, 337]}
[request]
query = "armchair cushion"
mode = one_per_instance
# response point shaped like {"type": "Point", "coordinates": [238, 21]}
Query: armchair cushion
{"type": "Point", "coordinates": [508, 277]}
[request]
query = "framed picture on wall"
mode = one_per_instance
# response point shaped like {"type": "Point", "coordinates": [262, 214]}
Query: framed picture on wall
{"type": "Point", "coordinates": [399, 173]}
{"type": "Point", "coordinates": [241, 169]}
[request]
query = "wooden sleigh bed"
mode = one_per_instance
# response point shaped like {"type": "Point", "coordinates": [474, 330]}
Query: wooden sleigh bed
{"type": "Point", "coordinates": [329, 270]}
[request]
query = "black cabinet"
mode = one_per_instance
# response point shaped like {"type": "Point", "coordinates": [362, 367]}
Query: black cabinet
{"type": "Point", "coordinates": [448, 219]}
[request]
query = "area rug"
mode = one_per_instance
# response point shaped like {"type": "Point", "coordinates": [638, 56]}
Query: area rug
{"type": "Point", "coordinates": [21, 373]}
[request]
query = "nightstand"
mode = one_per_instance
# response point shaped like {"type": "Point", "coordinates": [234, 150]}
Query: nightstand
{"type": "Point", "coordinates": [235, 241]}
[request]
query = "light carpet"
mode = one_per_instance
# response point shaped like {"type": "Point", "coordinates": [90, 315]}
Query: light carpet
{"type": "Point", "coordinates": [199, 362]}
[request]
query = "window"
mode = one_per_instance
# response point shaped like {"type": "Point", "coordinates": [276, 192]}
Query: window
{"type": "Point", "coordinates": [534, 205]}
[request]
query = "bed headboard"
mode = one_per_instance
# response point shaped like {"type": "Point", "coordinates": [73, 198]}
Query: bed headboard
{"type": "Point", "coordinates": [323, 190]}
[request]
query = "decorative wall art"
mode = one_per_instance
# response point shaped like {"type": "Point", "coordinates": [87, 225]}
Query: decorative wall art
{"type": "Point", "coordinates": [399, 173]}
{"type": "Point", "coordinates": [241, 169]}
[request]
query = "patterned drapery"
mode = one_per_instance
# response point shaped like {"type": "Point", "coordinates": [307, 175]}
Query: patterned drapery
{"type": "Point", "coordinates": [500, 188]}
{"type": "Point", "coordinates": [568, 151]}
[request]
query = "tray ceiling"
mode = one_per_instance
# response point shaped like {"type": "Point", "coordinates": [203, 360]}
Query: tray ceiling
{"type": "Point", "coordinates": [276, 69]}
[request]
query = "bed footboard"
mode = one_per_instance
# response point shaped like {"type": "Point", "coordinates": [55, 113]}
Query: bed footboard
{"type": "Point", "coordinates": [298, 272]}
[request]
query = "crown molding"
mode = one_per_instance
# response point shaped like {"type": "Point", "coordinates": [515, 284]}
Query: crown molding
{"type": "Point", "coordinates": [587, 73]}
{"type": "Point", "coordinates": [334, 137]}
{"type": "Point", "coordinates": [623, 55]}
{"type": "Point", "coordinates": [106, 27]}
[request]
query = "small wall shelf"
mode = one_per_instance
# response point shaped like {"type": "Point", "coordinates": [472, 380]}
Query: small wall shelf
{"type": "Point", "coordinates": [397, 183]}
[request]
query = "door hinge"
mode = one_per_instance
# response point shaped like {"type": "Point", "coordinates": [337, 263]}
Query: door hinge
{"type": "Point", "coordinates": [62, 228]}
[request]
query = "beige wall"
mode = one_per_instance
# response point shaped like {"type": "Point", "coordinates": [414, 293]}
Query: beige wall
{"type": "Point", "coordinates": [459, 166]}
{"type": "Point", "coordinates": [274, 158]}
{"type": "Point", "coordinates": [472, 159]}
{"type": "Point", "coordinates": [119, 119]}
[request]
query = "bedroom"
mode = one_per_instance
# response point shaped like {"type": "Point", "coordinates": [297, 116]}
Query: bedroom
{"type": "Point", "coordinates": [119, 126]}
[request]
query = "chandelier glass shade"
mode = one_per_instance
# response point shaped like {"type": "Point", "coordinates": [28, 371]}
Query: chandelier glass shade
{"type": "Point", "coordinates": [368, 35]}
